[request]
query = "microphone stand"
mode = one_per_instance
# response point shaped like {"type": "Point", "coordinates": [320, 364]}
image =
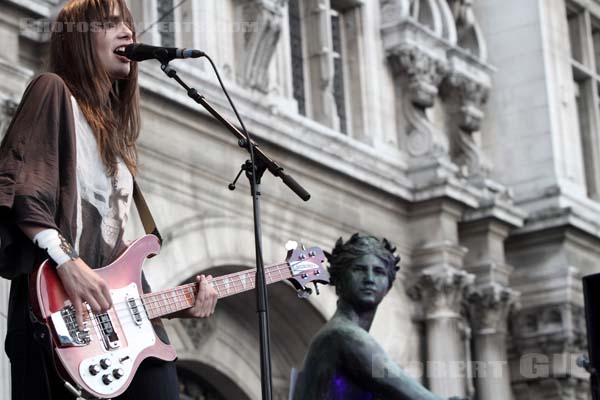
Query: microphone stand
{"type": "Point", "coordinates": [254, 172]}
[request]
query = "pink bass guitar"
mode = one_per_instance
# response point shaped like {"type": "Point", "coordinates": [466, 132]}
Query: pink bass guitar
{"type": "Point", "coordinates": [102, 358]}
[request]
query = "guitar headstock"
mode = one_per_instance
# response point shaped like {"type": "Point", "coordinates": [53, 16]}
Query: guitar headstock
{"type": "Point", "coordinates": [306, 266]}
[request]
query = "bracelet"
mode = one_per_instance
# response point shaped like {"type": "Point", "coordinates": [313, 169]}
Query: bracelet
{"type": "Point", "coordinates": [57, 247]}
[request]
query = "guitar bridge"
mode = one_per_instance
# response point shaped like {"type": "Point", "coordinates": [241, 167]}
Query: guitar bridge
{"type": "Point", "coordinates": [67, 332]}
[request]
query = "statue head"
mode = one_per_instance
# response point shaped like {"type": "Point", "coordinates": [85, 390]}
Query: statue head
{"type": "Point", "coordinates": [363, 269]}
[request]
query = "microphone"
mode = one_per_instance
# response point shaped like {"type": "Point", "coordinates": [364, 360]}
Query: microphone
{"type": "Point", "coordinates": [142, 52]}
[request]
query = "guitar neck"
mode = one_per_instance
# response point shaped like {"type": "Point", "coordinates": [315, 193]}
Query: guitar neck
{"type": "Point", "coordinates": [168, 301]}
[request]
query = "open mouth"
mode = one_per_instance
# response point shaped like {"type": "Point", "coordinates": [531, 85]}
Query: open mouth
{"type": "Point", "coordinates": [120, 51]}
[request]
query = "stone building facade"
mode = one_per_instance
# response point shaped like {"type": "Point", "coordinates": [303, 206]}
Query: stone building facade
{"type": "Point", "coordinates": [465, 131]}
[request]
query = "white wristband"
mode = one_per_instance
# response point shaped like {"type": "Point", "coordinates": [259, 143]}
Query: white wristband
{"type": "Point", "coordinates": [56, 246]}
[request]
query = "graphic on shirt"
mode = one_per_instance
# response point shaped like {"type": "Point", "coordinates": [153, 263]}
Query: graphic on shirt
{"type": "Point", "coordinates": [103, 201]}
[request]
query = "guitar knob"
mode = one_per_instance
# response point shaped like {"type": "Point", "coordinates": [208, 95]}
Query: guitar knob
{"type": "Point", "coordinates": [107, 379]}
{"type": "Point", "coordinates": [105, 363]}
{"type": "Point", "coordinates": [94, 369]}
{"type": "Point", "coordinates": [118, 373]}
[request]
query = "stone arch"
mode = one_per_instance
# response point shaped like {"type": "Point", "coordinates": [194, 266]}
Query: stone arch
{"type": "Point", "coordinates": [228, 341]}
{"type": "Point", "coordinates": [199, 244]}
{"type": "Point", "coordinates": [198, 379]}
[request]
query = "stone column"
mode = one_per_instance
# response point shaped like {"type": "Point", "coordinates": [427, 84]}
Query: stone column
{"type": "Point", "coordinates": [483, 232]}
{"type": "Point", "coordinates": [441, 290]}
{"type": "Point", "coordinates": [489, 308]}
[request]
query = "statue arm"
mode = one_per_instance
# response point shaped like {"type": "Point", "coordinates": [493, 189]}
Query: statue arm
{"type": "Point", "coordinates": [367, 363]}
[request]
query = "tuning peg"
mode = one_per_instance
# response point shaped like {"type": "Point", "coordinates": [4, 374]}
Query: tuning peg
{"type": "Point", "coordinates": [304, 293]}
{"type": "Point", "coordinates": [316, 288]}
{"type": "Point", "coordinates": [291, 245]}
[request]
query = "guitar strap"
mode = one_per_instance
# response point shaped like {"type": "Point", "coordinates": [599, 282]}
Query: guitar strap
{"type": "Point", "coordinates": [144, 212]}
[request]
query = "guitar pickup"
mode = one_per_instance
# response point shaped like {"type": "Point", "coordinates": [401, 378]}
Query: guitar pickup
{"type": "Point", "coordinates": [106, 330]}
{"type": "Point", "coordinates": [134, 310]}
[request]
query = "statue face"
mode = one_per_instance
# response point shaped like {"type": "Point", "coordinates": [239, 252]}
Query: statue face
{"type": "Point", "coordinates": [365, 282]}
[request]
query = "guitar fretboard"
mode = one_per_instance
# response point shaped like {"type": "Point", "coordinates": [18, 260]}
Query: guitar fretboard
{"type": "Point", "coordinates": [168, 301]}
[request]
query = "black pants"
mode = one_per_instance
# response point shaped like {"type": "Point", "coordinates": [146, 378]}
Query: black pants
{"type": "Point", "coordinates": [31, 380]}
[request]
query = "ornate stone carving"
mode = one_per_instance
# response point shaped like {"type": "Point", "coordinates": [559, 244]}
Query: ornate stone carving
{"type": "Point", "coordinates": [423, 72]}
{"type": "Point", "coordinates": [260, 44]}
{"type": "Point", "coordinates": [419, 75]}
{"type": "Point", "coordinates": [466, 97]}
{"type": "Point", "coordinates": [552, 328]}
{"type": "Point", "coordinates": [442, 291]}
{"type": "Point", "coordinates": [473, 96]}
{"type": "Point", "coordinates": [489, 308]}
{"type": "Point", "coordinates": [552, 388]}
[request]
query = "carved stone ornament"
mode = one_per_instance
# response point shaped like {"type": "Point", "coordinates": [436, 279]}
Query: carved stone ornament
{"type": "Point", "coordinates": [442, 291]}
{"type": "Point", "coordinates": [472, 97]}
{"type": "Point", "coordinates": [489, 308]}
{"type": "Point", "coordinates": [419, 74]}
{"type": "Point", "coordinates": [555, 327]}
{"type": "Point", "coordinates": [422, 72]}
{"type": "Point", "coordinates": [260, 40]}
{"type": "Point", "coordinates": [552, 387]}
{"type": "Point", "coordinates": [467, 98]}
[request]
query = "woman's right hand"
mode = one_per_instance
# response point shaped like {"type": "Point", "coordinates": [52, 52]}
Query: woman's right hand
{"type": "Point", "coordinates": [83, 284]}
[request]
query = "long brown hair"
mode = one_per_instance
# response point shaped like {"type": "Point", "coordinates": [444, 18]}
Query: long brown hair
{"type": "Point", "coordinates": [111, 108]}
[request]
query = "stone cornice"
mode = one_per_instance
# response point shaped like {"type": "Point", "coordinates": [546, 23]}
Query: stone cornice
{"type": "Point", "coordinates": [499, 210]}
{"type": "Point", "coordinates": [308, 139]}
{"type": "Point", "coordinates": [560, 220]}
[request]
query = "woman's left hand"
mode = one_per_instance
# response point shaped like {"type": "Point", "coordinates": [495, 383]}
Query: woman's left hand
{"type": "Point", "coordinates": [206, 300]}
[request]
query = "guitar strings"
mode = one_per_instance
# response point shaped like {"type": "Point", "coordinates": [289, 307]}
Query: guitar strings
{"type": "Point", "coordinates": [181, 299]}
{"type": "Point", "coordinates": [151, 299]}
{"type": "Point", "coordinates": [173, 301]}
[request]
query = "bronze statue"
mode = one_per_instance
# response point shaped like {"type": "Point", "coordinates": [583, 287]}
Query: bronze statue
{"type": "Point", "coordinates": [344, 362]}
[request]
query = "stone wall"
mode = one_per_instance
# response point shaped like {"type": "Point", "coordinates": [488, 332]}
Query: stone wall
{"type": "Point", "coordinates": [459, 145]}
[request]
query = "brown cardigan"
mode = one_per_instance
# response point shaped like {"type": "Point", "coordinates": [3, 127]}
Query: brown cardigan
{"type": "Point", "coordinates": [38, 185]}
